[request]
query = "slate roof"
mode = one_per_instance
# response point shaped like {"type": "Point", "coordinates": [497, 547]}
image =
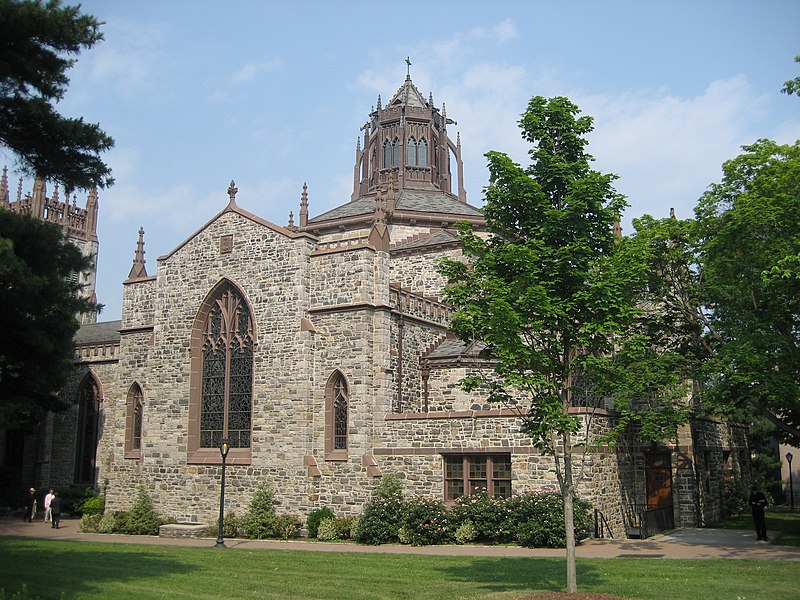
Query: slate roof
{"type": "Point", "coordinates": [443, 236]}
{"type": "Point", "coordinates": [407, 200]}
{"type": "Point", "coordinates": [451, 348]}
{"type": "Point", "coordinates": [98, 333]}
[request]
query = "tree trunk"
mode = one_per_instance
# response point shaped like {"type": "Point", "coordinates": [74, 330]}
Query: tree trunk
{"type": "Point", "coordinates": [569, 524]}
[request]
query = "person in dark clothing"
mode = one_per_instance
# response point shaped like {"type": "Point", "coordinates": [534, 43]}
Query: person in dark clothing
{"type": "Point", "coordinates": [55, 510]}
{"type": "Point", "coordinates": [30, 505]}
{"type": "Point", "coordinates": [757, 504]}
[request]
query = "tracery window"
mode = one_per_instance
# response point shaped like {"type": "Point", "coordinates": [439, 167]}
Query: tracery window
{"type": "Point", "coordinates": [387, 154]}
{"type": "Point", "coordinates": [422, 153]}
{"type": "Point", "coordinates": [133, 422]}
{"type": "Point", "coordinates": [223, 343]}
{"type": "Point", "coordinates": [337, 407]}
{"type": "Point", "coordinates": [395, 152]}
{"type": "Point", "coordinates": [411, 151]}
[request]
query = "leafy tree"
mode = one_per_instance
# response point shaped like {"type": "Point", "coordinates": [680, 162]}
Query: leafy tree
{"type": "Point", "coordinates": [553, 291]}
{"type": "Point", "coordinates": [40, 301]}
{"type": "Point", "coordinates": [747, 284]}
{"type": "Point", "coordinates": [37, 48]}
{"type": "Point", "coordinates": [793, 85]}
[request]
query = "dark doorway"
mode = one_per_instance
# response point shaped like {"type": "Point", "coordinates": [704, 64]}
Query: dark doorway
{"type": "Point", "coordinates": [658, 480]}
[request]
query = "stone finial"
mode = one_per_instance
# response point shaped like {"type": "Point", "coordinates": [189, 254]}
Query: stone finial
{"type": "Point", "coordinates": [138, 269]}
{"type": "Point", "coordinates": [4, 188]}
{"type": "Point", "coordinates": [291, 218]}
{"type": "Point", "coordinates": [232, 189]}
{"type": "Point", "coordinates": [304, 206]}
{"type": "Point", "coordinates": [672, 213]}
{"type": "Point", "coordinates": [617, 229]}
{"type": "Point", "coordinates": [379, 101]}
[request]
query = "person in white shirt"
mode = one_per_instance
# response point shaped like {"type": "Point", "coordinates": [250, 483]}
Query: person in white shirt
{"type": "Point", "coordinates": [48, 513]}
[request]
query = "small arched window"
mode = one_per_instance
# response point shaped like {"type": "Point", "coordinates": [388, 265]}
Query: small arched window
{"type": "Point", "coordinates": [396, 152]}
{"type": "Point", "coordinates": [422, 153]}
{"type": "Point", "coordinates": [411, 151]}
{"type": "Point", "coordinates": [337, 408]}
{"type": "Point", "coordinates": [133, 422]}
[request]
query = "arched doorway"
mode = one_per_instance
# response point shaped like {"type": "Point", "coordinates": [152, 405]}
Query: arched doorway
{"type": "Point", "coordinates": [88, 429]}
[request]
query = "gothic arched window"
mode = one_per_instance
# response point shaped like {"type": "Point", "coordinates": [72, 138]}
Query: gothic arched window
{"type": "Point", "coordinates": [395, 152]}
{"type": "Point", "coordinates": [223, 343]}
{"type": "Point", "coordinates": [387, 154]}
{"type": "Point", "coordinates": [88, 428]}
{"type": "Point", "coordinates": [422, 153]}
{"type": "Point", "coordinates": [337, 407]}
{"type": "Point", "coordinates": [411, 151]}
{"type": "Point", "coordinates": [133, 422]}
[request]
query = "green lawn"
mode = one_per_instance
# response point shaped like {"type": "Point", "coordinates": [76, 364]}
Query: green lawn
{"type": "Point", "coordinates": [778, 519]}
{"type": "Point", "coordinates": [101, 570]}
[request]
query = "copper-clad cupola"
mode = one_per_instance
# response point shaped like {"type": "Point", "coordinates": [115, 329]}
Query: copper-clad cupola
{"type": "Point", "coordinates": [406, 142]}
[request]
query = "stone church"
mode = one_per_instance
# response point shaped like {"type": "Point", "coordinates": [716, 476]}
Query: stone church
{"type": "Point", "coordinates": [320, 350]}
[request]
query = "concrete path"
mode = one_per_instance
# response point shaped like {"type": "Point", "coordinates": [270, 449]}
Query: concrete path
{"type": "Point", "coordinates": [679, 543]}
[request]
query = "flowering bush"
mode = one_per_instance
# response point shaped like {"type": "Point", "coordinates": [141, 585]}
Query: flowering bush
{"type": "Point", "coordinates": [465, 533]}
{"type": "Point", "coordinates": [380, 522]}
{"type": "Point", "coordinates": [539, 519]}
{"type": "Point", "coordinates": [492, 518]}
{"type": "Point", "coordinates": [425, 522]}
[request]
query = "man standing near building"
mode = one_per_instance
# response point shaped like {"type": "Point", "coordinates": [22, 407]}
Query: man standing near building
{"type": "Point", "coordinates": [30, 505]}
{"type": "Point", "coordinates": [55, 510]}
{"type": "Point", "coordinates": [47, 511]}
{"type": "Point", "coordinates": [758, 503]}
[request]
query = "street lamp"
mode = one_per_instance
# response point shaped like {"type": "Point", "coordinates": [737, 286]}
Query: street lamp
{"type": "Point", "coordinates": [789, 458]}
{"type": "Point", "coordinates": [223, 450]}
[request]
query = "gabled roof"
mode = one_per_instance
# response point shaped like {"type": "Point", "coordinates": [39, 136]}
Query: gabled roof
{"type": "Point", "coordinates": [450, 349]}
{"type": "Point", "coordinates": [437, 238]}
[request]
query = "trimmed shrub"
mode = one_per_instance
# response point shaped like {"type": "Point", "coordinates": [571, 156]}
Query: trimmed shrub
{"type": "Point", "coordinates": [287, 526]}
{"type": "Point", "coordinates": [424, 522]}
{"type": "Point", "coordinates": [315, 517]}
{"type": "Point", "coordinates": [112, 522]}
{"type": "Point", "coordinates": [73, 497]}
{"type": "Point", "coordinates": [327, 530]}
{"type": "Point", "coordinates": [90, 523]}
{"type": "Point", "coordinates": [259, 521]}
{"type": "Point", "coordinates": [344, 527]}
{"type": "Point", "coordinates": [142, 519]}
{"type": "Point", "coordinates": [92, 506]}
{"type": "Point", "coordinates": [380, 521]}
{"type": "Point", "coordinates": [539, 519]}
{"type": "Point", "coordinates": [465, 533]}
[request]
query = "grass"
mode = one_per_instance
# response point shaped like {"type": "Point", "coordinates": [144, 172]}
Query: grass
{"type": "Point", "coordinates": [87, 570]}
{"type": "Point", "coordinates": [778, 519]}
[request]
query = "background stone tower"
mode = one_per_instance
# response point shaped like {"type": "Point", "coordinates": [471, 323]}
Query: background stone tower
{"type": "Point", "coordinates": [79, 225]}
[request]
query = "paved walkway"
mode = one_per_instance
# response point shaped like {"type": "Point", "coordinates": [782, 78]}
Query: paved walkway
{"type": "Point", "coordinates": [679, 543]}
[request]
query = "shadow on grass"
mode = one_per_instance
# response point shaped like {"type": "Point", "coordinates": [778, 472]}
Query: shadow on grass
{"type": "Point", "coordinates": [504, 574]}
{"type": "Point", "coordinates": [75, 568]}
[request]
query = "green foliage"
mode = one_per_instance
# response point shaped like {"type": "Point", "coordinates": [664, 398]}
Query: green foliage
{"type": "Point", "coordinates": [327, 530]}
{"type": "Point", "coordinates": [38, 47]}
{"type": "Point", "coordinates": [466, 533]}
{"type": "Point", "coordinates": [287, 526]}
{"type": "Point", "coordinates": [539, 519]}
{"type": "Point", "coordinates": [90, 523]}
{"type": "Point", "coordinates": [381, 519]}
{"type": "Point", "coordinates": [142, 518]}
{"type": "Point", "coordinates": [793, 85]}
{"type": "Point", "coordinates": [38, 319]}
{"type": "Point", "coordinates": [490, 517]}
{"type": "Point", "coordinates": [344, 527]}
{"type": "Point", "coordinates": [260, 520]}
{"type": "Point", "coordinates": [92, 506]}
{"type": "Point", "coordinates": [74, 497]}
{"type": "Point", "coordinates": [315, 517]}
{"type": "Point", "coordinates": [424, 522]}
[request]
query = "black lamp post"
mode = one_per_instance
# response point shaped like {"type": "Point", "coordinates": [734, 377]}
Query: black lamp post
{"type": "Point", "coordinates": [223, 450]}
{"type": "Point", "coordinates": [789, 458]}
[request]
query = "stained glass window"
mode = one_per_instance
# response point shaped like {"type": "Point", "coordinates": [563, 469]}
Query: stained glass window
{"type": "Point", "coordinates": [227, 373]}
{"type": "Point", "coordinates": [340, 414]}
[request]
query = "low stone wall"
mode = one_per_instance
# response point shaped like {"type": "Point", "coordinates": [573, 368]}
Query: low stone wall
{"type": "Point", "coordinates": [182, 530]}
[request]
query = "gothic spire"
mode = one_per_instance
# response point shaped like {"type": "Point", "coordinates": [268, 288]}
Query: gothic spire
{"type": "Point", "coordinates": [4, 188]}
{"type": "Point", "coordinates": [138, 270]}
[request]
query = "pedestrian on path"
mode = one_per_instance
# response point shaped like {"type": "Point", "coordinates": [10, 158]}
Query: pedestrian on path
{"type": "Point", "coordinates": [47, 511]}
{"type": "Point", "coordinates": [758, 503]}
{"type": "Point", "coordinates": [30, 505]}
{"type": "Point", "coordinates": [55, 510]}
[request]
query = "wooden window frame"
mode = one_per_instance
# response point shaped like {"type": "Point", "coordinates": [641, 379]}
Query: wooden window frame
{"type": "Point", "coordinates": [464, 478]}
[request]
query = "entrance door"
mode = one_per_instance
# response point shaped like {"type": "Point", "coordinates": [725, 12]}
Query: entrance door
{"type": "Point", "coordinates": [658, 475]}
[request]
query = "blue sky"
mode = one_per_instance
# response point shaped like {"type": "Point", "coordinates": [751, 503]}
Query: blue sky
{"type": "Point", "coordinates": [272, 95]}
